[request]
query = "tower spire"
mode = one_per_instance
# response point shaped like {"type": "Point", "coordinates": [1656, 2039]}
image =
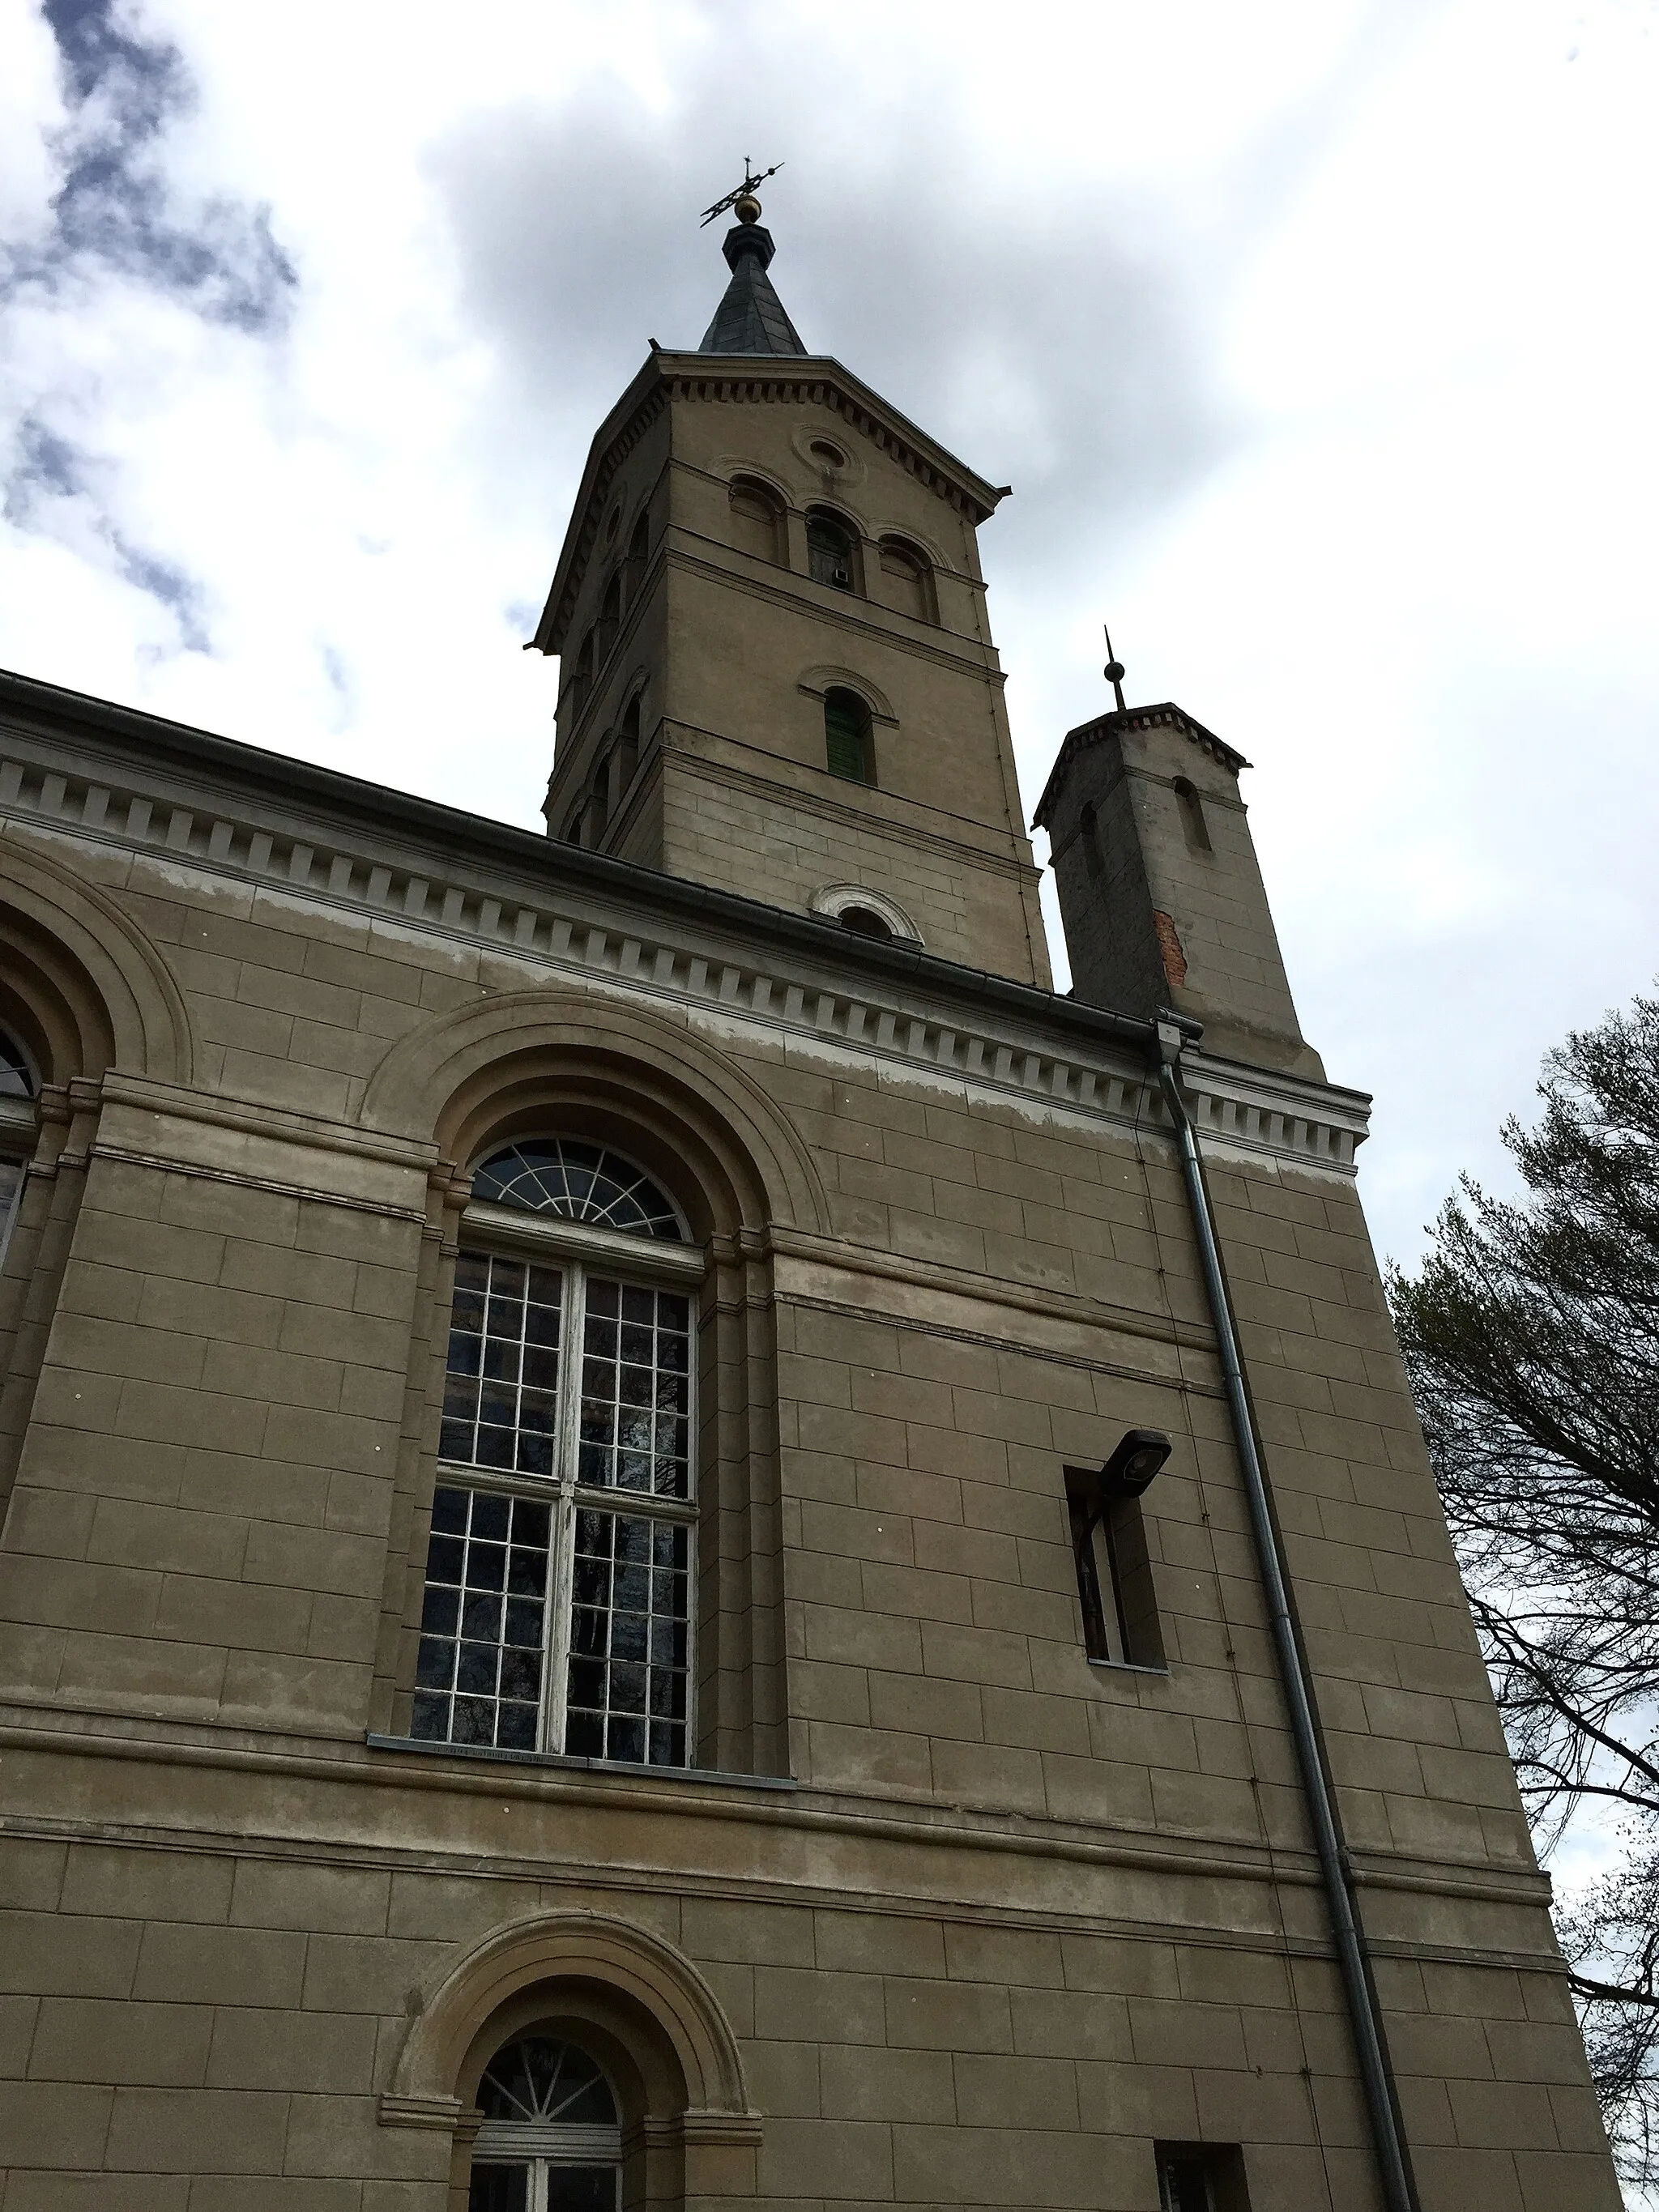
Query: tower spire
{"type": "Point", "coordinates": [1114, 670]}
{"type": "Point", "coordinates": [750, 318]}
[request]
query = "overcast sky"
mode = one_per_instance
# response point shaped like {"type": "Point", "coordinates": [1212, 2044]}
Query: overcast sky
{"type": "Point", "coordinates": [1318, 342]}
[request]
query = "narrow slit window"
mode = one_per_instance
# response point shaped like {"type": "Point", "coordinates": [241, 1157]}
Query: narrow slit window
{"type": "Point", "coordinates": [1114, 1575]}
{"type": "Point", "coordinates": [1193, 827]}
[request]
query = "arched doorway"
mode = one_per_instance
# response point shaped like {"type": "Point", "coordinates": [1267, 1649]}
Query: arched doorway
{"type": "Point", "coordinates": [551, 2138]}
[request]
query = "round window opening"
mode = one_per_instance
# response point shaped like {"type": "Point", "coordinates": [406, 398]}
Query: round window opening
{"type": "Point", "coordinates": [831, 456]}
{"type": "Point", "coordinates": [581, 1182]}
{"type": "Point", "coordinates": [551, 2138]}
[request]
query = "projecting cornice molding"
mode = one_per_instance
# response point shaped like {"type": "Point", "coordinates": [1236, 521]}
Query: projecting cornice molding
{"type": "Point", "coordinates": [1167, 716]}
{"type": "Point", "coordinates": [722, 961]}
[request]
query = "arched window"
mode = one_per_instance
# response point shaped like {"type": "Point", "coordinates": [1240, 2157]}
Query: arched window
{"type": "Point", "coordinates": [757, 518]}
{"type": "Point", "coordinates": [598, 804]}
{"type": "Point", "coordinates": [581, 682]}
{"type": "Point", "coordinates": [16, 1076]}
{"type": "Point", "coordinates": [551, 2138]}
{"type": "Point", "coordinates": [829, 555]}
{"type": "Point", "coordinates": [610, 621]}
{"type": "Point", "coordinates": [17, 1089]}
{"type": "Point", "coordinates": [639, 549]}
{"type": "Point", "coordinates": [905, 580]}
{"type": "Point", "coordinates": [557, 1607]}
{"type": "Point", "coordinates": [1194, 828]}
{"type": "Point", "coordinates": [864, 922]}
{"type": "Point", "coordinates": [628, 746]}
{"type": "Point", "coordinates": [847, 749]}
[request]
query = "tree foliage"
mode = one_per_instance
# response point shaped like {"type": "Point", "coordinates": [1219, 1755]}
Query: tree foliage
{"type": "Point", "coordinates": [1531, 1332]}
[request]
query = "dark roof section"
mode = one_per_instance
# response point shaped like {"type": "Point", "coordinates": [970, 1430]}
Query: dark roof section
{"type": "Point", "coordinates": [750, 318]}
{"type": "Point", "coordinates": [1136, 718]}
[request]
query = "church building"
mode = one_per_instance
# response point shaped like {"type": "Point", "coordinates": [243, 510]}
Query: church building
{"type": "Point", "coordinates": [670, 1536]}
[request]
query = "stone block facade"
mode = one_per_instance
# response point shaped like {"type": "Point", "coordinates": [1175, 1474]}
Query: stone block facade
{"type": "Point", "coordinates": [939, 1910]}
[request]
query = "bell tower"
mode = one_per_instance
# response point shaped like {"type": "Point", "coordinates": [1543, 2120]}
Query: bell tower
{"type": "Point", "coordinates": [777, 673]}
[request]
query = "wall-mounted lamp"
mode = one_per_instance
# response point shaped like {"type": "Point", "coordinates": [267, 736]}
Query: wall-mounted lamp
{"type": "Point", "coordinates": [1139, 1455]}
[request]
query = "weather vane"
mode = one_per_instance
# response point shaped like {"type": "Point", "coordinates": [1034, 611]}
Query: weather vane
{"type": "Point", "coordinates": [1112, 670]}
{"type": "Point", "coordinates": [746, 191]}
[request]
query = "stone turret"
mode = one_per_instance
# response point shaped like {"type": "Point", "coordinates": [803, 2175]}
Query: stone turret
{"type": "Point", "coordinates": [1160, 891]}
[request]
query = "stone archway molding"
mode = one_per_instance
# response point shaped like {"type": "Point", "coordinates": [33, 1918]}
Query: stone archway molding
{"type": "Point", "coordinates": [120, 1005]}
{"type": "Point", "coordinates": [411, 1092]}
{"type": "Point", "coordinates": [573, 1944]}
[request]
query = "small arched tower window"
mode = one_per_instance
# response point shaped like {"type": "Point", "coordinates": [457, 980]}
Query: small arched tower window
{"type": "Point", "coordinates": [756, 519]}
{"type": "Point", "coordinates": [1088, 830]}
{"type": "Point", "coordinates": [639, 550]}
{"type": "Point", "coordinates": [847, 749]}
{"type": "Point", "coordinates": [829, 550]}
{"type": "Point", "coordinates": [610, 621]}
{"type": "Point", "coordinates": [599, 804]}
{"type": "Point", "coordinates": [905, 582]}
{"type": "Point", "coordinates": [628, 745]}
{"type": "Point", "coordinates": [1194, 828]}
{"type": "Point", "coordinates": [581, 682]}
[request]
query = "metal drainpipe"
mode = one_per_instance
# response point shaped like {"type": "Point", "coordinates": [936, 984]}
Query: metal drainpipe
{"type": "Point", "coordinates": [1397, 2188]}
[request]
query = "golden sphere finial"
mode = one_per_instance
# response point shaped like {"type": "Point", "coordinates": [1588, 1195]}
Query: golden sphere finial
{"type": "Point", "coordinates": [747, 208]}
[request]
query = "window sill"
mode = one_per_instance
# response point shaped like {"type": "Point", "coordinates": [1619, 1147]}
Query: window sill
{"type": "Point", "coordinates": [566, 1760]}
{"type": "Point", "coordinates": [1129, 1667]}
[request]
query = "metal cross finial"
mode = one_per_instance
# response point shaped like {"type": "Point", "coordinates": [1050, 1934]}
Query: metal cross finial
{"type": "Point", "coordinates": [746, 191]}
{"type": "Point", "coordinates": [1113, 671]}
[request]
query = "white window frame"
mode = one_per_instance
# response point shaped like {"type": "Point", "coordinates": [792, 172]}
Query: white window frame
{"type": "Point", "coordinates": [580, 1251]}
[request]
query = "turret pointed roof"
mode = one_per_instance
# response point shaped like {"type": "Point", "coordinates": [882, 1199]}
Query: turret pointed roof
{"type": "Point", "coordinates": [750, 319]}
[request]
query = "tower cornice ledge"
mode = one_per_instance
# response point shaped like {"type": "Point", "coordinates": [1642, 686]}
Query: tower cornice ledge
{"type": "Point", "coordinates": [760, 379]}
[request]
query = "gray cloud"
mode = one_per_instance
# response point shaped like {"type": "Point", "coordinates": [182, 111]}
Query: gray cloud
{"type": "Point", "coordinates": [114, 208]}
{"type": "Point", "coordinates": [1051, 348]}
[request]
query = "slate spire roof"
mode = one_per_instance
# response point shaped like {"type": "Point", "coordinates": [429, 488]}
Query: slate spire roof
{"type": "Point", "coordinates": [750, 318]}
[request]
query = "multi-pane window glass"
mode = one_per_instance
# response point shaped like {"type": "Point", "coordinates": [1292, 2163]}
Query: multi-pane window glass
{"type": "Point", "coordinates": [628, 1639]}
{"type": "Point", "coordinates": [636, 1385]}
{"type": "Point", "coordinates": [551, 1620]}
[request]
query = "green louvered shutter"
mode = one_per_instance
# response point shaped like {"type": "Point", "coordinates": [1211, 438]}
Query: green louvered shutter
{"type": "Point", "coordinates": [844, 734]}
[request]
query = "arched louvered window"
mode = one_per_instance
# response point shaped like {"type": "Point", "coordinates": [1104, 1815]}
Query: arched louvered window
{"type": "Point", "coordinates": [639, 549]}
{"type": "Point", "coordinates": [608, 623]}
{"type": "Point", "coordinates": [905, 580]}
{"type": "Point", "coordinates": [830, 553]}
{"type": "Point", "coordinates": [551, 2138]}
{"type": "Point", "coordinates": [557, 1611]}
{"type": "Point", "coordinates": [847, 749]}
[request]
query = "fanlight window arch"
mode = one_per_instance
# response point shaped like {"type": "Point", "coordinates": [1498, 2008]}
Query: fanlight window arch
{"type": "Point", "coordinates": [17, 1129]}
{"type": "Point", "coordinates": [557, 1609]}
{"type": "Point", "coordinates": [16, 1076]}
{"type": "Point", "coordinates": [551, 2138]}
{"type": "Point", "coordinates": [579, 1182]}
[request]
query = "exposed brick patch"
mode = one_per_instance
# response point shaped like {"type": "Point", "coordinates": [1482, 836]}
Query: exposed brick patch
{"type": "Point", "coordinates": [1168, 946]}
